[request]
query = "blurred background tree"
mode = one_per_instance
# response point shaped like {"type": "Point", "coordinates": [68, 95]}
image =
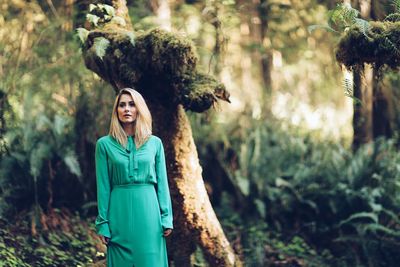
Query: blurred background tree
{"type": "Point", "coordinates": [277, 161]}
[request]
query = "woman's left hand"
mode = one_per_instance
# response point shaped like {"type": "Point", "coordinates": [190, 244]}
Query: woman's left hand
{"type": "Point", "coordinates": [167, 231]}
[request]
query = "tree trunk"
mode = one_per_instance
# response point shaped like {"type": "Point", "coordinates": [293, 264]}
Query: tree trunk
{"type": "Point", "coordinates": [194, 216]}
{"type": "Point", "coordinates": [363, 91]}
{"type": "Point", "coordinates": [162, 10]}
{"type": "Point", "coordinates": [382, 110]}
{"type": "Point", "coordinates": [382, 113]}
{"type": "Point", "coordinates": [254, 28]}
{"type": "Point", "coordinates": [266, 55]}
{"type": "Point", "coordinates": [362, 118]}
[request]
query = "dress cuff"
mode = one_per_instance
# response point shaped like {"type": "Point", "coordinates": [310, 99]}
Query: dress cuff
{"type": "Point", "coordinates": [167, 225]}
{"type": "Point", "coordinates": [102, 227]}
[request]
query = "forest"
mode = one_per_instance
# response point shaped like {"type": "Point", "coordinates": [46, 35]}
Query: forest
{"type": "Point", "coordinates": [280, 121]}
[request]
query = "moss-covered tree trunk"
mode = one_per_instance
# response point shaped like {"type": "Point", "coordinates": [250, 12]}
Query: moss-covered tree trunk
{"type": "Point", "coordinates": [161, 66]}
{"type": "Point", "coordinates": [363, 91]}
{"type": "Point", "coordinates": [382, 110]}
{"type": "Point", "coordinates": [195, 219]}
{"type": "Point", "coordinates": [266, 52]}
{"type": "Point", "coordinates": [362, 108]}
{"type": "Point", "coordinates": [377, 46]}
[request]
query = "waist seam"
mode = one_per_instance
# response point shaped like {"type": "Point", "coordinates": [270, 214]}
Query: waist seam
{"type": "Point", "coordinates": [133, 184]}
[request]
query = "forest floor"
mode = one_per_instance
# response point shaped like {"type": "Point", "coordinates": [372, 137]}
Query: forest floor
{"type": "Point", "coordinates": [62, 238]}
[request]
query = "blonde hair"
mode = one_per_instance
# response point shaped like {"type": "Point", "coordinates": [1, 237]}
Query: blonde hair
{"type": "Point", "coordinates": [142, 123]}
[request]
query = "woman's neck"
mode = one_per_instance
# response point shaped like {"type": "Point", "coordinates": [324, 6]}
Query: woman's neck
{"type": "Point", "coordinates": [129, 129]}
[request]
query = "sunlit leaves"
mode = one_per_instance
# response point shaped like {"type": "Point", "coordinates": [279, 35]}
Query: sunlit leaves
{"type": "Point", "coordinates": [363, 25]}
{"type": "Point", "coordinates": [109, 9]}
{"type": "Point", "coordinates": [100, 45]}
{"type": "Point", "coordinates": [396, 4]}
{"type": "Point", "coordinates": [341, 18]}
{"type": "Point", "coordinates": [102, 13]}
{"type": "Point", "coordinates": [71, 161]}
{"type": "Point", "coordinates": [131, 36]}
{"type": "Point", "coordinates": [93, 19]}
{"type": "Point", "coordinates": [82, 34]}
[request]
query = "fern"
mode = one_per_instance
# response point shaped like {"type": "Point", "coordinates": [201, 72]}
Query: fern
{"type": "Point", "coordinates": [93, 19]}
{"type": "Point", "coordinates": [363, 25]}
{"type": "Point", "coordinates": [59, 124]}
{"type": "Point", "coordinates": [109, 10]}
{"type": "Point", "coordinates": [389, 44]}
{"type": "Point", "coordinates": [72, 162]}
{"type": "Point", "coordinates": [348, 86]}
{"type": "Point", "coordinates": [37, 157]}
{"type": "Point", "coordinates": [82, 34]}
{"type": "Point", "coordinates": [100, 45]}
{"type": "Point", "coordinates": [343, 15]}
{"type": "Point", "coordinates": [375, 228]}
{"type": "Point", "coordinates": [396, 4]}
{"type": "Point", "coordinates": [317, 26]}
{"type": "Point", "coordinates": [92, 7]}
{"type": "Point", "coordinates": [131, 36]}
{"type": "Point", "coordinates": [361, 215]}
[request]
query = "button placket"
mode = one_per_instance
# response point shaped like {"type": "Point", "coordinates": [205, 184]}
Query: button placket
{"type": "Point", "coordinates": [131, 164]}
{"type": "Point", "coordinates": [130, 158]}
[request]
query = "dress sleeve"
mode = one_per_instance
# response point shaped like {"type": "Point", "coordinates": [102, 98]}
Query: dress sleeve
{"type": "Point", "coordinates": [103, 190]}
{"type": "Point", "coordinates": [163, 194]}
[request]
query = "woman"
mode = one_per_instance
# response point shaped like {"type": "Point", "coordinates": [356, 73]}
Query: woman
{"type": "Point", "coordinates": [134, 204]}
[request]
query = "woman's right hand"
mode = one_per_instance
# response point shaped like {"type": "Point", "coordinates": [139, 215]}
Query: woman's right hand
{"type": "Point", "coordinates": [104, 239]}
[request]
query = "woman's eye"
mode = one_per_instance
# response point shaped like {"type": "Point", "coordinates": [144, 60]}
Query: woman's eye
{"type": "Point", "coordinates": [131, 104]}
{"type": "Point", "coordinates": [121, 105]}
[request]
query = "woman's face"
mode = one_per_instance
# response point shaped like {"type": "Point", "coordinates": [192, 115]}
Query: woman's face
{"type": "Point", "coordinates": [126, 110]}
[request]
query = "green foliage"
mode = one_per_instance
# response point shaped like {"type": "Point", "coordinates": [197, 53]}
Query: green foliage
{"type": "Point", "coordinates": [315, 189]}
{"type": "Point", "coordinates": [82, 34]}
{"type": "Point", "coordinates": [39, 142]}
{"type": "Point", "coordinates": [100, 14]}
{"type": "Point", "coordinates": [396, 4]}
{"type": "Point", "coordinates": [362, 41]}
{"type": "Point", "coordinates": [75, 247]}
{"type": "Point", "coordinates": [323, 190]}
{"type": "Point", "coordinates": [341, 19]}
{"type": "Point", "coordinates": [261, 245]}
{"type": "Point", "coordinates": [343, 16]}
{"type": "Point", "coordinates": [47, 115]}
{"type": "Point", "coordinates": [100, 46]}
{"type": "Point", "coordinates": [378, 48]}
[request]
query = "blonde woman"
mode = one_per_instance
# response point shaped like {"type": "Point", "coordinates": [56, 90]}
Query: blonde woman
{"type": "Point", "coordinates": [134, 204]}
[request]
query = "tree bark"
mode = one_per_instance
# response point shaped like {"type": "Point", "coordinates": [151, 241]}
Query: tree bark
{"type": "Point", "coordinates": [254, 28]}
{"type": "Point", "coordinates": [363, 91]}
{"type": "Point", "coordinates": [193, 214]}
{"type": "Point", "coordinates": [266, 55]}
{"type": "Point", "coordinates": [382, 112]}
{"type": "Point", "coordinates": [362, 118]}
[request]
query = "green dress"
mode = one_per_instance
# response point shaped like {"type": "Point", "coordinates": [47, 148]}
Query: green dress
{"type": "Point", "coordinates": [134, 204]}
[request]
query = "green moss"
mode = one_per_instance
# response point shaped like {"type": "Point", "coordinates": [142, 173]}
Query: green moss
{"type": "Point", "coordinates": [158, 63]}
{"type": "Point", "coordinates": [56, 247]}
{"type": "Point", "coordinates": [200, 92]}
{"type": "Point", "coordinates": [379, 46]}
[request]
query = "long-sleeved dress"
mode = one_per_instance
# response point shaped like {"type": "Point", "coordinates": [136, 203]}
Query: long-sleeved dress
{"type": "Point", "coordinates": [134, 204]}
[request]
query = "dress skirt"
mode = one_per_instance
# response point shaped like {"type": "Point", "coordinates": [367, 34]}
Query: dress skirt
{"type": "Point", "coordinates": [135, 223]}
